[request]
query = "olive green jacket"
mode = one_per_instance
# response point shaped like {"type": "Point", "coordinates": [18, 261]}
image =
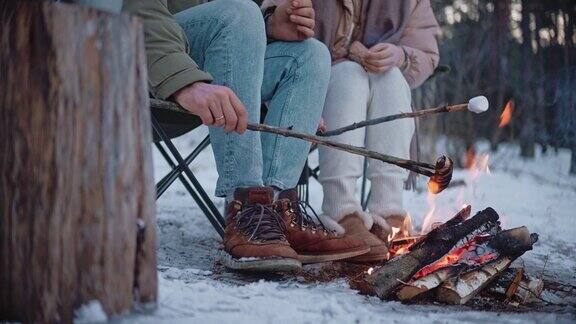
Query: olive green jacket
{"type": "Point", "coordinates": [170, 67]}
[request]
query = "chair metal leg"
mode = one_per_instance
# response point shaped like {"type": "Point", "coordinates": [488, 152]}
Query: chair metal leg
{"type": "Point", "coordinates": [192, 186]}
{"type": "Point", "coordinates": [363, 196]}
{"type": "Point", "coordinates": [177, 171]}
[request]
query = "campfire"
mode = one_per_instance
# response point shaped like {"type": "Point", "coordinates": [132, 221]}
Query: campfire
{"type": "Point", "coordinates": [456, 261]}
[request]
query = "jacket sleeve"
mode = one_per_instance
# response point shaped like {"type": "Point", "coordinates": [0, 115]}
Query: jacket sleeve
{"type": "Point", "coordinates": [170, 68]}
{"type": "Point", "coordinates": [420, 44]}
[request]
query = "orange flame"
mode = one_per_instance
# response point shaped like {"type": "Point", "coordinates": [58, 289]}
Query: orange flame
{"type": "Point", "coordinates": [506, 115]}
{"type": "Point", "coordinates": [433, 187]}
{"type": "Point", "coordinates": [427, 223]}
{"type": "Point", "coordinates": [470, 159]}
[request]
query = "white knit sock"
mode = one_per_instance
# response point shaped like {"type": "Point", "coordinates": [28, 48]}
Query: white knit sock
{"type": "Point", "coordinates": [339, 198]}
{"type": "Point", "coordinates": [386, 196]}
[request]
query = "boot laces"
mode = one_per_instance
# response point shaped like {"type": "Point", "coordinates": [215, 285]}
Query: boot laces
{"type": "Point", "coordinates": [261, 222]}
{"type": "Point", "coordinates": [304, 219]}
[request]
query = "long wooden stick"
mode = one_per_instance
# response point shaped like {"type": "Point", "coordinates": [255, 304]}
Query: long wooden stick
{"type": "Point", "coordinates": [415, 114]}
{"type": "Point", "coordinates": [418, 167]}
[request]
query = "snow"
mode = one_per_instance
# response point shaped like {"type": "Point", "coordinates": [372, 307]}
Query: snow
{"type": "Point", "coordinates": [536, 193]}
{"type": "Point", "coordinates": [92, 312]}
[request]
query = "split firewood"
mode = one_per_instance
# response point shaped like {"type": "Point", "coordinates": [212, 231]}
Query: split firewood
{"type": "Point", "coordinates": [427, 283]}
{"type": "Point", "coordinates": [519, 286]}
{"type": "Point", "coordinates": [435, 245]}
{"type": "Point", "coordinates": [510, 245]}
{"type": "Point", "coordinates": [460, 290]}
{"type": "Point", "coordinates": [461, 259]}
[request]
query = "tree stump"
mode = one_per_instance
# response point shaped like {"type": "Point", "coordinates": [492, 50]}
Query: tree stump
{"type": "Point", "coordinates": [77, 211]}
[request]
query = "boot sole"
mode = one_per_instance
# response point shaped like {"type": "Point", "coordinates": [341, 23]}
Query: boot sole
{"type": "Point", "coordinates": [317, 258]}
{"type": "Point", "coordinates": [262, 265]}
{"type": "Point", "coordinates": [370, 258]}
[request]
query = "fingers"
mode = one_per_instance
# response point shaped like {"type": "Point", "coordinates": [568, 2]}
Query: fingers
{"type": "Point", "coordinates": [230, 116]}
{"type": "Point", "coordinates": [380, 55]}
{"type": "Point", "coordinates": [307, 12]}
{"type": "Point", "coordinates": [216, 109]}
{"type": "Point", "coordinates": [241, 113]}
{"type": "Point", "coordinates": [378, 66]}
{"type": "Point", "coordinates": [378, 47]}
{"type": "Point", "coordinates": [206, 117]}
{"type": "Point", "coordinates": [301, 3]}
{"type": "Point", "coordinates": [303, 21]}
{"type": "Point", "coordinates": [306, 32]}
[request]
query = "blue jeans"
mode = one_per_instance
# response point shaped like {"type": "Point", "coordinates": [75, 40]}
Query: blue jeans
{"type": "Point", "coordinates": [228, 39]}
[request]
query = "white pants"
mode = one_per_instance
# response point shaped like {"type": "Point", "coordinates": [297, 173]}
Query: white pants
{"type": "Point", "coordinates": [355, 95]}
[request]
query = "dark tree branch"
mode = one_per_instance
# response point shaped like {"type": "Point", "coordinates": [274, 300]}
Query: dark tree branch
{"type": "Point", "coordinates": [415, 114]}
{"type": "Point", "coordinates": [418, 167]}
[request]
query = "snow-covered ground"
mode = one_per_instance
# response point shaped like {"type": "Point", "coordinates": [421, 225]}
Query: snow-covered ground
{"type": "Point", "coordinates": [537, 193]}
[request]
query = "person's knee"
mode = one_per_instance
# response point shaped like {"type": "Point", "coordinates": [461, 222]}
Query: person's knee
{"type": "Point", "coordinates": [245, 10]}
{"type": "Point", "coordinates": [242, 17]}
{"type": "Point", "coordinates": [349, 70]}
{"type": "Point", "coordinates": [394, 77]}
{"type": "Point", "coordinates": [315, 57]}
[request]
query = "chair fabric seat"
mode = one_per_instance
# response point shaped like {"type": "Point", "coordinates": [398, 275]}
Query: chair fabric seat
{"type": "Point", "coordinates": [175, 123]}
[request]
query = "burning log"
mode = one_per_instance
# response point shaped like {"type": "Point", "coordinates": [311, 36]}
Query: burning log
{"type": "Point", "coordinates": [427, 283]}
{"type": "Point", "coordinates": [516, 285]}
{"type": "Point", "coordinates": [435, 245]}
{"type": "Point", "coordinates": [463, 288]}
{"type": "Point", "coordinates": [476, 252]}
{"type": "Point", "coordinates": [510, 245]}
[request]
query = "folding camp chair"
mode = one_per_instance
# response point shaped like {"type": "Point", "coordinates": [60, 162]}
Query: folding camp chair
{"type": "Point", "coordinates": [168, 124]}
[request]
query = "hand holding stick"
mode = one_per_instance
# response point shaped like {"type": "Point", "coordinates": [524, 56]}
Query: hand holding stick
{"type": "Point", "coordinates": [477, 105]}
{"type": "Point", "coordinates": [440, 174]}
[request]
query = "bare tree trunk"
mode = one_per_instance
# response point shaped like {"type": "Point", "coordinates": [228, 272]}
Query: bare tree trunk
{"type": "Point", "coordinates": [77, 219]}
{"type": "Point", "coordinates": [527, 102]}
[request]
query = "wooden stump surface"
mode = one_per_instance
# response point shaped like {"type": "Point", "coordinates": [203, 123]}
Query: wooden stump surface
{"type": "Point", "coordinates": [77, 211]}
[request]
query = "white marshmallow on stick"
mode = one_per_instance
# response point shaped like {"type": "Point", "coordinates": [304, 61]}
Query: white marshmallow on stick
{"type": "Point", "coordinates": [478, 104]}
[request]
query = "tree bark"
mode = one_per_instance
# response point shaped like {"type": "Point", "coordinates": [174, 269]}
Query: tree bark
{"type": "Point", "coordinates": [77, 219]}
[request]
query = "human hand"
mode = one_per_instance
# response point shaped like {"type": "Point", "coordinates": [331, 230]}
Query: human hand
{"type": "Point", "coordinates": [322, 127]}
{"type": "Point", "coordinates": [357, 52]}
{"type": "Point", "coordinates": [216, 105]}
{"type": "Point", "coordinates": [382, 57]}
{"type": "Point", "coordinates": [293, 20]}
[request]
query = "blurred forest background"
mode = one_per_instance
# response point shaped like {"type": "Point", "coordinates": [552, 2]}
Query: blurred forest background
{"type": "Point", "coordinates": [520, 52]}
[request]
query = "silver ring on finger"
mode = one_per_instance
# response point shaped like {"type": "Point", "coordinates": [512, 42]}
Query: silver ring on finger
{"type": "Point", "coordinates": [219, 118]}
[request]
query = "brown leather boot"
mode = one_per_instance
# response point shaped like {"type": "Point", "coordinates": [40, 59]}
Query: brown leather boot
{"type": "Point", "coordinates": [255, 235]}
{"type": "Point", "coordinates": [314, 243]}
{"type": "Point", "coordinates": [354, 226]}
{"type": "Point", "coordinates": [392, 227]}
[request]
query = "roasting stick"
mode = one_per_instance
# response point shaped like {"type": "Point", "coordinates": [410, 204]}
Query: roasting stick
{"type": "Point", "coordinates": [440, 173]}
{"type": "Point", "coordinates": [477, 105]}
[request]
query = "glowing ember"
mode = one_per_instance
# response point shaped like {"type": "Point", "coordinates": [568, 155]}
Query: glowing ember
{"type": "Point", "coordinates": [473, 252]}
{"type": "Point", "coordinates": [506, 115]}
{"type": "Point", "coordinates": [402, 245]}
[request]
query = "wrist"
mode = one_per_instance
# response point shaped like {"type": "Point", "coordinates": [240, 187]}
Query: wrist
{"type": "Point", "coordinates": [403, 60]}
{"type": "Point", "coordinates": [180, 95]}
